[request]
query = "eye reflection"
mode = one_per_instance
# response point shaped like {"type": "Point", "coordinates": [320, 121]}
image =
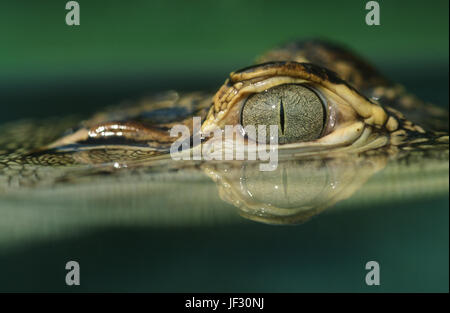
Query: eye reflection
{"type": "Point", "coordinates": [296, 190]}
{"type": "Point", "coordinates": [296, 109]}
{"type": "Point", "coordinates": [280, 187]}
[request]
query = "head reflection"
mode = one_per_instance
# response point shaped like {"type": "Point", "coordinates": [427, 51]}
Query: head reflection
{"type": "Point", "coordinates": [295, 191]}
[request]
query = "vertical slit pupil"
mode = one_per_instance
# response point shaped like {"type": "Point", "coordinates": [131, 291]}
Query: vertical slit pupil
{"type": "Point", "coordinates": [282, 116]}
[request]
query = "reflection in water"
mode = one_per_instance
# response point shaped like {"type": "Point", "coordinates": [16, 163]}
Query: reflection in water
{"type": "Point", "coordinates": [45, 202]}
{"type": "Point", "coordinates": [296, 190]}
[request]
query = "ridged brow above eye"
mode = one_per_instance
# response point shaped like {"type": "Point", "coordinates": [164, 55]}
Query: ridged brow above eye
{"type": "Point", "coordinates": [297, 110]}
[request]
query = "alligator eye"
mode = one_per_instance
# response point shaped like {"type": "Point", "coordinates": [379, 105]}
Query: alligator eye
{"type": "Point", "coordinates": [297, 110]}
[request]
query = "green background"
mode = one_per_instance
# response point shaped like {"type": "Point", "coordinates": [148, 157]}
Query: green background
{"type": "Point", "coordinates": [125, 49]}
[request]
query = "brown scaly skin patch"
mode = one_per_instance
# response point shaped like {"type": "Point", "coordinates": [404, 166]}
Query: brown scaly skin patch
{"type": "Point", "coordinates": [349, 66]}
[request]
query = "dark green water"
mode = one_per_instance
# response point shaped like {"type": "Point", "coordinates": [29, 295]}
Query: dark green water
{"type": "Point", "coordinates": [124, 51]}
{"type": "Point", "coordinates": [325, 254]}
